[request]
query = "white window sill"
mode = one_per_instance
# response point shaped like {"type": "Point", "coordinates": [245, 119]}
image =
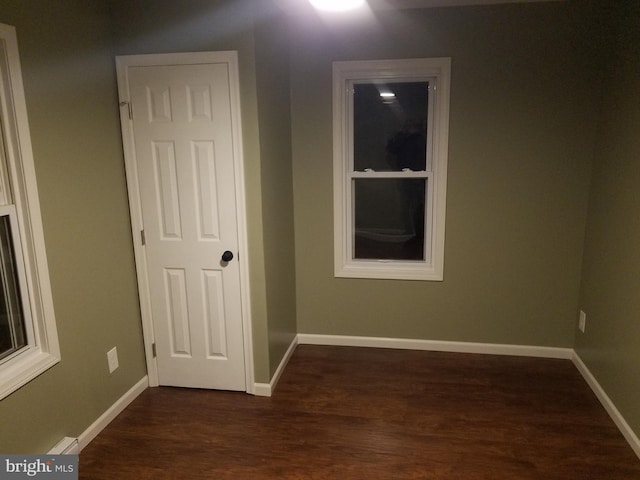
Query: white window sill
{"type": "Point", "coordinates": [390, 270]}
{"type": "Point", "coordinates": [23, 368]}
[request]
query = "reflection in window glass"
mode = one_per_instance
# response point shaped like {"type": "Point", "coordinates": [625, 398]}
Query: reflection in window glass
{"type": "Point", "coordinates": [389, 218]}
{"type": "Point", "coordinates": [12, 328]}
{"type": "Point", "coordinates": [389, 126]}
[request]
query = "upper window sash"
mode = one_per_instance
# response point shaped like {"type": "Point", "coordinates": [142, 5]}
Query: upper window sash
{"type": "Point", "coordinates": [382, 82]}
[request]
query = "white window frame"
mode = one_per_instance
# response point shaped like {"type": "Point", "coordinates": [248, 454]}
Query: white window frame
{"type": "Point", "coordinates": [437, 71]}
{"type": "Point", "coordinates": [19, 199]}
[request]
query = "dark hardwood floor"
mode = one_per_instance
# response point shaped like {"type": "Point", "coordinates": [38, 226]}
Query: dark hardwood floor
{"type": "Point", "coordinates": [356, 413]}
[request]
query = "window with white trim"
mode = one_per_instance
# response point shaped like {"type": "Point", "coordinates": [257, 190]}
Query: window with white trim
{"type": "Point", "coordinates": [28, 336]}
{"type": "Point", "coordinates": [391, 122]}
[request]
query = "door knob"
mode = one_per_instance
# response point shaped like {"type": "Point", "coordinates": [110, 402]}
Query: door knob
{"type": "Point", "coordinates": [227, 256]}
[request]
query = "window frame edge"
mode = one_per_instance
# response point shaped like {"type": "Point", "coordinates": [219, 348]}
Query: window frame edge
{"type": "Point", "coordinates": [343, 72]}
{"type": "Point", "coordinates": [44, 351]}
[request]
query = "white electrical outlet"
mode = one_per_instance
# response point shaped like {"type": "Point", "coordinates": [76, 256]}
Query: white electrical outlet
{"type": "Point", "coordinates": [582, 321]}
{"type": "Point", "coordinates": [112, 358]}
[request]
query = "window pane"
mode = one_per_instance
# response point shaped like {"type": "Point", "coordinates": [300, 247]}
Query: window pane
{"type": "Point", "coordinates": [12, 328]}
{"type": "Point", "coordinates": [389, 126]}
{"type": "Point", "coordinates": [389, 218]}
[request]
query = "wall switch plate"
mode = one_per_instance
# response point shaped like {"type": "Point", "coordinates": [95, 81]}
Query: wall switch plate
{"type": "Point", "coordinates": [112, 358]}
{"type": "Point", "coordinates": [582, 321]}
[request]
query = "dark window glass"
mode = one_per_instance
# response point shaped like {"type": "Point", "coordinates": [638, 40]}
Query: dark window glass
{"type": "Point", "coordinates": [389, 126]}
{"type": "Point", "coordinates": [389, 218]}
{"type": "Point", "coordinates": [12, 329]}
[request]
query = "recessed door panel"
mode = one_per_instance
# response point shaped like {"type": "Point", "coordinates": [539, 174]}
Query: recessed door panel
{"type": "Point", "coordinates": [212, 285]}
{"type": "Point", "coordinates": [164, 159]}
{"type": "Point", "coordinates": [199, 103]}
{"type": "Point", "coordinates": [177, 312]}
{"type": "Point", "coordinates": [159, 104]}
{"type": "Point", "coordinates": [206, 200]}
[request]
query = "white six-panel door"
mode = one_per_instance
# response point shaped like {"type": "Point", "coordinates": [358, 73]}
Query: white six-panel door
{"type": "Point", "coordinates": [182, 138]}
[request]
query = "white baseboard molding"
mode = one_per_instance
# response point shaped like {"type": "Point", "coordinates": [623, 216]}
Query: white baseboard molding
{"type": "Point", "coordinates": [436, 345]}
{"type": "Point", "coordinates": [66, 446]}
{"type": "Point", "coordinates": [112, 412]}
{"type": "Point", "coordinates": [608, 405]}
{"type": "Point", "coordinates": [267, 389]}
{"type": "Point", "coordinates": [262, 389]}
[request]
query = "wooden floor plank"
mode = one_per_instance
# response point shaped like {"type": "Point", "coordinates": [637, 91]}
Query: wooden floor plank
{"type": "Point", "coordinates": [365, 413]}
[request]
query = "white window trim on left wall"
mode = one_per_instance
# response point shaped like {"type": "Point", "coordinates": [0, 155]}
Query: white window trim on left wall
{"type": "Point", "coordinates": [19, 188]}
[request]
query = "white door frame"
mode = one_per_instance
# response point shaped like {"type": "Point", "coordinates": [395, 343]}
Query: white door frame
{"type": "Point", "coordinates": [123, 63]}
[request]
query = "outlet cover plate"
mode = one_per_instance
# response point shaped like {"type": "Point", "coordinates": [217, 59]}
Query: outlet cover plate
{"type": "Point", "coordinates": [582, 321]}
{"type": "Point", "coordinates": [112, 358]}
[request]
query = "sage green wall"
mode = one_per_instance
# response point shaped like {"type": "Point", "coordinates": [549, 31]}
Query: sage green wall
{"type": "Point", "coordinates": [522, 120]}
{"type": "Point", "coordinates": [68, 74]}
{"type": "Point", "coordinates": [274, 106]}
{"type": "Point", "coordinates": [610, 293]}
{"type": "Point", "coordinates": [166, 26]}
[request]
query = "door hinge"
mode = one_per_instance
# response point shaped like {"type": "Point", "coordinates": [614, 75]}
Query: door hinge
{"type": "Point", "coordinates": [129, 108]}
{"type": "Point", "coordinates": [143, 239]}
{"type": "Point", "coordinates": [153, 350]}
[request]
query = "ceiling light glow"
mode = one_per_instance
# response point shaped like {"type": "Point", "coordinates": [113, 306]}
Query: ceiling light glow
{"type": "Point", "coordinates": [387, 94]}
{"type": "Point", "coordinates": [336, 5]}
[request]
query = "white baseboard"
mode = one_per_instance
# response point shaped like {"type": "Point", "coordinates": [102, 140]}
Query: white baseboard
{"type": "Point", "coordinates": [266, 389]}
{"type": "Point", "coordinates": [262, 389]}
{"type": "Point", "coordinates": [112, 412]}
{"type": "Point", "coordinates": [66, 446]}
{"type": "Point", "coordinates": [436, 345]}
{"type": "Point", "coordinates": [608, 405]}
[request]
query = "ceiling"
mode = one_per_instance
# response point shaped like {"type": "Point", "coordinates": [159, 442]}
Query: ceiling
{"type": "Point", "coordinates": [390, 4]}
{"type": "Point", "coordinates": [288, 5]}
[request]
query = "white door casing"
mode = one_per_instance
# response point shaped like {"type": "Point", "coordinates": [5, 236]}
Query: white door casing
{"type": "Point", "coordinates": [183, 159]}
